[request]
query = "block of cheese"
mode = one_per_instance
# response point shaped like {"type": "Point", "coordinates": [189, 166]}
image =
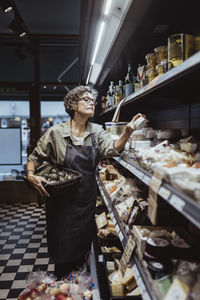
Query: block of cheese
{"type": "Point", "coordinates": [178, 290]}
{"type": "Point", "coordinates": [117, 289]}
{"type": "Point", "coordinates": [135, 292]}
{"type": "Point", "coordinates": [128, 276]}
{"type": "Point", "coordinates": [101, 220]}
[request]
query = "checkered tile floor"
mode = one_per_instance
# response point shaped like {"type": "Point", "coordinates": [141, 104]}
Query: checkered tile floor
{"type": "Point", "coordinates": [23, 246]}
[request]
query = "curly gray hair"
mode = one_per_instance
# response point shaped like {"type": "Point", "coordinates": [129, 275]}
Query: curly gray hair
{"type": "Point", "coordinates": [73, 96]}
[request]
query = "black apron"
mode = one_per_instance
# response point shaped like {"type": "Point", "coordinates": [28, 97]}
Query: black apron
{"type": "Point", "coordinates": [71, 217]}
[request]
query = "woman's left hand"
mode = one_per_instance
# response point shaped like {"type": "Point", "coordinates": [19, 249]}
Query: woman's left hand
{"type": "Point", "coordinates": [130, 126]}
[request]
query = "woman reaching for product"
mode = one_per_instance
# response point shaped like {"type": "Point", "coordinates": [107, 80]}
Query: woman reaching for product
{"type": "Point", "coordinates": [76, 144]}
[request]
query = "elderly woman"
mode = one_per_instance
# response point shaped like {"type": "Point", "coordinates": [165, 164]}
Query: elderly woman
{"type": "Point", "coordinates": [76, 144]}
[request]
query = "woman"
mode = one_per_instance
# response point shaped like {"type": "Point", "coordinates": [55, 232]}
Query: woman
{"type": "Point", "coordinates": [76, 144]}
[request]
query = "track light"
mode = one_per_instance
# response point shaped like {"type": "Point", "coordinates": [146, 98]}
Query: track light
{"type": "Point", "coordinates": [6, 5]}
{"type": "Point", "coordinates": [17, 26]}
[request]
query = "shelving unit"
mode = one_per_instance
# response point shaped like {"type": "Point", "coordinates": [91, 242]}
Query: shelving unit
{"type": "Point", "coordinates": [182, 76]}
{"type": "Point", "coordinates": [123, 233]}
{"type": "Point", "coordinates": [180, 201]}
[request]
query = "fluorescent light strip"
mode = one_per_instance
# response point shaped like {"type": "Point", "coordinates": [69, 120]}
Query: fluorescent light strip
{"type": "Point", "coordinates": [107, 8]}
{"type": "Point", "coordinates": [98, 42]}
{"type": "Point", "coordinates": [88, 75]}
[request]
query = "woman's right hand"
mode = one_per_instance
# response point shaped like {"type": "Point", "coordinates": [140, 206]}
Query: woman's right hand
{"type": "Point", "coordinates": [36, 181]}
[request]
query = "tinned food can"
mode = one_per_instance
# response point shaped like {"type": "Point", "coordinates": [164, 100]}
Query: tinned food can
{"type": "Point", "coordinates": [180, 47]}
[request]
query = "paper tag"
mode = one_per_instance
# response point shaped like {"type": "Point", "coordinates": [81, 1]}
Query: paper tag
{"type": "Point", "coordinates": [128, 250]}
{"type": "Point", "coordinates": [121, 237]}
{"type": "Point", "coordinates": [131, 168]}
{"type": "Point", "coordinates": [155, 184]}
{"type": "Point", "coordinates": [117, 228]}
{"type": "Point", "coordinates": [177, 291]}
{"type": "Point", "coordinates": [152, 210]}
{"type": "Point", "coordinates": [177, 202]}
{"type": "Point", "coordinates": [100, 258]}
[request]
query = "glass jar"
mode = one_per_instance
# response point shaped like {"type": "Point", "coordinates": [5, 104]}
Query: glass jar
{"type": "Point", "coordinates": [151, 59]}
{"type": "Point", "coordinates": [159, 69]}
{"type": "Point", "coordinates": [151, 74]}
{"type": "Point", "coordinates": [161, 53]}
{"type": "Point", "coordinates": [164, 64]}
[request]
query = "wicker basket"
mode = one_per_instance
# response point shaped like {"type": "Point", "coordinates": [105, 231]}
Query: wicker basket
{"type": "Point", "coordinates": [54, 188]}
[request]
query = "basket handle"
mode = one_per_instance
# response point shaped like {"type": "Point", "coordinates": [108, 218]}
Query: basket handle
{"type": "Point", "coordinates": [117, 111]}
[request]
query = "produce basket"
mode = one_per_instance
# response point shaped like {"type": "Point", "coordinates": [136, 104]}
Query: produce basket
{"type": "Point", "coordinates": [59, 178]}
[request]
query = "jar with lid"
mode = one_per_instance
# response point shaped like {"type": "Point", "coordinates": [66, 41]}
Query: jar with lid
{"type": "Point", "coordinates": [161, 53]}
{"type": "Point", "coordinates": [151, 60]}
{"type": "Point", "coordinates": [159, 69]}
{"type": "Point", "coordinates": [180, 47]}
{"type": "Point", "coordinates": [164, 64]}
{"type": "Point", "coordinates": [151, 74]}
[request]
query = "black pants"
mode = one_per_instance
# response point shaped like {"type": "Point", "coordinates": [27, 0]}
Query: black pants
{"type": "Point", "coordinates": [63, 269]}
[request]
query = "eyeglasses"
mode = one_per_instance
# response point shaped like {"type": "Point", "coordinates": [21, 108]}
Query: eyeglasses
{"type": "Point", "coordinates": [88, 100]}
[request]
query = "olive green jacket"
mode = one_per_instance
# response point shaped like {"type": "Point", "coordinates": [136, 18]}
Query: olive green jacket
{"type": "Point", "coordinates": [51, 147]}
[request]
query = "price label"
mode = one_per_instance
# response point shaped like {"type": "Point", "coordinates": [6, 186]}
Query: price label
{"type": "Point", "coordinates": [100, 258]}
{"type": "Point", "coordinates": [177, 291]}
{"type": "Point", "coordinates": [117, 228]}
{"type": "Point", "coordinates": [146, 179]}
{"type": "Point", "coordinates": [140, 283]}
{"type": "Point", "coordinates": [131, 169]}
{"type": "Point", "coordinates": [177, 202]}
{"type": "Point", "coordinates": [123, 163]}
{"type": "Point", "coordinates": [121, 236]}
{"type": "Point", "coordinates": [128, 250]}
{"type": "Point", "coordinates": [163, 192]}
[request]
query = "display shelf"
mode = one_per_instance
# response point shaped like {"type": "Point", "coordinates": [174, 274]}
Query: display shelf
{"type": "Point", "coordinates": [123, 233]}
{"type": "Point", "coordinates": [180, 201]}
{"type": "Point", "coordinates": [186, 71]}
{"type": "Point", "coordinates": [95, 291]}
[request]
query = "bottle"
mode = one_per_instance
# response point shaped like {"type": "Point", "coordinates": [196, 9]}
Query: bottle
{"type": "Point", "coordinates": [103, 103]}
{"type": "Point", "coordinates": [117, 95]}
{"type": "Point", "coordinates": [121, 89]}
{"type": "Point", "coordinates": [111, 94]}
{"type": "Point", "coordinates": [129, 82]}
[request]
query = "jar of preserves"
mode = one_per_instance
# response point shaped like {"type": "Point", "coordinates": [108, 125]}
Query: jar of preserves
{"type": "Point", "coordinates": [164, 64]}
{"type": "Point", "coordinates": [151, 59]}
{"type": "Point", "coordinates": [180, 47]}
{"type": "Point", "coordinates": [151, 74]}
{"type": "Point", "coordinates": [159, 69]}
{"type": "Point", "coordinates": [197, 43]}
{"type": "Point", "coordinates": [161, 52]}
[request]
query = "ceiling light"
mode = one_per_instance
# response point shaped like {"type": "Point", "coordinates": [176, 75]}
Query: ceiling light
{"type": "Point", "coordinates": [6, 5]}
{"type": "Point", "coordinates": [88, 77]}
{"type": "Point", "coordinates": [98, 42]}
{"type": "Point", "coordinates": [17, 26]}
{"type": "Point", "coordinates": [107, 8]}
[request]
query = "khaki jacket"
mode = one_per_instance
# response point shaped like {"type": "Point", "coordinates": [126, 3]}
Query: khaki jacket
{"type": "Point", "coordinates": [51, 147]}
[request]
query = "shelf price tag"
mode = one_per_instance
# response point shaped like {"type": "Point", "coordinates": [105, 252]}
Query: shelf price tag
{"type": "Point", "coordinates": [121, 237]}
{"type": "Point", "coordinates": [140, 283]}
{"type": "Point", "coordinates": [177, 202]}
{"type": "Point", "coordinates": [100, 258]}
{"type": "Point", "coordinates": [146, 179]}
{"type": "Point", "coordinates": [131, 168]}
{"type": "Point", "coordinates": [128, 250]}
{"type": "Point", "coordinates": [163, 192]}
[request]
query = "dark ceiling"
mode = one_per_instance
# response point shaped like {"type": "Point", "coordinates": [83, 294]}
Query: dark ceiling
{"type": "Point", "coordinates": [54, 38]}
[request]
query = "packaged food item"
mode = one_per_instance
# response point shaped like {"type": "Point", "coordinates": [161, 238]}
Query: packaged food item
{"type": "Point", "coordinates": [115, 128]}
{"type": "Point", "coordinates": [151, 74]}
{"type": "Point", "coordinates": [197, 43]}
{"type": "Point", "coordinates": [161, 53]}
{"type": "Point", "coordinates": [180, 47]}
{"type": "Point", "coordinates": [151, 59]}
{"type": "Point", "coordinates": [160, 69]}
{"type": "Point", "coordinates": [164, 64]}
{"type": "Point", "coordinates": [140, 123]}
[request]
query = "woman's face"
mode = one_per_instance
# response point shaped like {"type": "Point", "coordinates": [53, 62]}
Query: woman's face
{"type": "Point", "coordinates": [86, 105]}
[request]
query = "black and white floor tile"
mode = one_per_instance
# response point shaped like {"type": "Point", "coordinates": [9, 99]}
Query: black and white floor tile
{"type": "Point", "coordinates": [23, 246]}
